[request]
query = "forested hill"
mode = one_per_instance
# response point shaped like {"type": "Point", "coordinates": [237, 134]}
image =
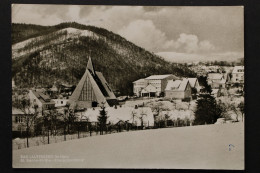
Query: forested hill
{"type": "Point", "coordinates": [44, 54]}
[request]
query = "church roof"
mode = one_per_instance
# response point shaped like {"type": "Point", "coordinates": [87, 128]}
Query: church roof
{"type": "Point", "coordinates": [97, 87]}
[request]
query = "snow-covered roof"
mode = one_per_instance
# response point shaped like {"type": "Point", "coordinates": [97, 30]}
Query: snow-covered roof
{"type": "Point", "coordinates": [179, 85]}
{"type": "Point", "coordinates": [192, 81]}
{"type": "Point", "coordinates": [139, 80]}
{"type": "Point", "coordinates": [43, 98]}
{"type": "Point", "coordinates": [158, 76]}
{"type": "Point", "coordinates": [238, 69]}
{"type": "Point", "coordinates": [183, 84]}
{"type": "Point", "coordinates": [173, 84]}
{"type": "Point", "coordinates": [122, 114]}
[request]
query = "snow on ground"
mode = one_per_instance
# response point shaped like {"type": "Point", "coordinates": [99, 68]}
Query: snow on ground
{"type": "Point", "coordinates": [196, 147]}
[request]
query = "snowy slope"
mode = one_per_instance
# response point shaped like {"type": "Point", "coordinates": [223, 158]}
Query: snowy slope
{"type": "Point", "coordinates": [196, 147]}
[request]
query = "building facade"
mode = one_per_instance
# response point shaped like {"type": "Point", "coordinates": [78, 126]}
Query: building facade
{"type": "Point", "coordinates": [216, 80]}
{"type": "Point", "coordinates": [43, 101]}
{"type": "Point", "coordinates": [138, 86]}
{"type": "Point", "coordinates": [178, 89]}
{"type": "Point", "coordinates": [158, 82]}
{"type": "Point", "coordinates": [237, 75]}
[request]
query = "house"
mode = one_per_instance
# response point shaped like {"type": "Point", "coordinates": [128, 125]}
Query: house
{"type": "Point", "coordinates": [237, 75]}
{"type": "Point", "coordinates": [178, 89]}
{"type": "Point", "coordinates": [149, 91]}
{"type": "Point", "coordinates": [159, 82]}
{"type": "Point", "coordinates": [19, 122]}
{"type": "Point", "coordinates": [216, 80]}
{"type": "Point", "coordinates": [138, 86]}
{"type": "Point", "coordinates": [43, 101]}
{"type": "Point", "coordinates": [194, 83]}
{"type": "Point", "coordinates": [92, 90]}
{"type": "Point", "coordinates": [60, 102]}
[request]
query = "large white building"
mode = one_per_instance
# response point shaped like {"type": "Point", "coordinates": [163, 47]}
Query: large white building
{"type": "Point", "coordinates": [238, 74]}
{"type": "Point", "coordinates": [152, 86]}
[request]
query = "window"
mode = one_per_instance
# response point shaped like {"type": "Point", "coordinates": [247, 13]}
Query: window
{"type": "Point", "coordinates": [16, 119]}
{"type": "Point", "coordinates": [61, 102]}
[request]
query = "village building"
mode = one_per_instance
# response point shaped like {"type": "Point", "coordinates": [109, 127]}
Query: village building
{"type": "Point", "coordinates": [156, 85]}
{"type": "Point", "coordinates": [194, 83]}
{"type": "Point", "coordinates": [149, 91]}
{"type": "Point", "coordinates": [238, 75]}
{"type": "Point", "coordinates": [178, 89]}
{"type": "Point", "coordinates": [139, 85]}
{"type": "Point", "coordinates": [43, 101]}
{"type": "Point", "coordinates": [216, 80]}
{"type": "Point", "coordinates": [92, 90]}
{"type": "Point", "coordinates": [19, 122]}
{"type": "Point", "coordinates": [60, 102]}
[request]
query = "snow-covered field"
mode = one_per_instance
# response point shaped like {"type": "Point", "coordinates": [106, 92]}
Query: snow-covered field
{"type": "Point", "coordinates": [194, 147]}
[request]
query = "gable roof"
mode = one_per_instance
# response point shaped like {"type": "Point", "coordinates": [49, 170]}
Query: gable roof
{"type": "Point", "coordinates": [109, 91]}
{"type": "Point", "coordinates": [171, 85]}
{"type": "Point", "coordinates": [42, 97]}
{"type": "Point", "coordinates": [177, 85]}
{"type": "Point", "coordinates": [192, 81]}
{"type": "Point", "coordinates": [139, 80]}
{"type": "Point", "coordinates": [90, 66]}
{"type": "Point", "coordinates": [95, 86]}
{"type": "Point", "coordinates": [183, 84]}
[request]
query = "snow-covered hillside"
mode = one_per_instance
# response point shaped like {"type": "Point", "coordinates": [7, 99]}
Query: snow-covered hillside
{"type": "Point", "coordinates": [196, 147]}
{"type": "Point", "coordinates": [18, 49]}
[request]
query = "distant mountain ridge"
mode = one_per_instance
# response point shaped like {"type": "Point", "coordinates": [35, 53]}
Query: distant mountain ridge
{"type": "Point", "coordinates": [44, 54]}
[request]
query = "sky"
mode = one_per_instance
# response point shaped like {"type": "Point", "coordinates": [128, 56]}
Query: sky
{"type": "Point", "coordinates": [177, 33]}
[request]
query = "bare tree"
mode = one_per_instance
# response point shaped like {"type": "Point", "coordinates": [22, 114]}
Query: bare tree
{"type": "Point", "coordinates": [30, 114]}
{"type": "Point", "coordinates": [133, 113]}
{"type": "Point", "coordinates": [238, 110]}
{"type": "Point", "coordinates": [143, 113]}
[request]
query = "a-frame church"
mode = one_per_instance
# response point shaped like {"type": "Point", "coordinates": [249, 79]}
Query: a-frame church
{"type": "Point", "coordinates": [92, 90]}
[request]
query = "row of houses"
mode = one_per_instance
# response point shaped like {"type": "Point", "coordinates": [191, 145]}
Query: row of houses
{"type": "Point", "coordinates": [221, 80]}
{"type": "Point", "coordinates": [168, 86]}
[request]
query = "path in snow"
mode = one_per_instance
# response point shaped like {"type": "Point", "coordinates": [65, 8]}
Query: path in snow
{"type": "Point", "coordinates": [196, 147]}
